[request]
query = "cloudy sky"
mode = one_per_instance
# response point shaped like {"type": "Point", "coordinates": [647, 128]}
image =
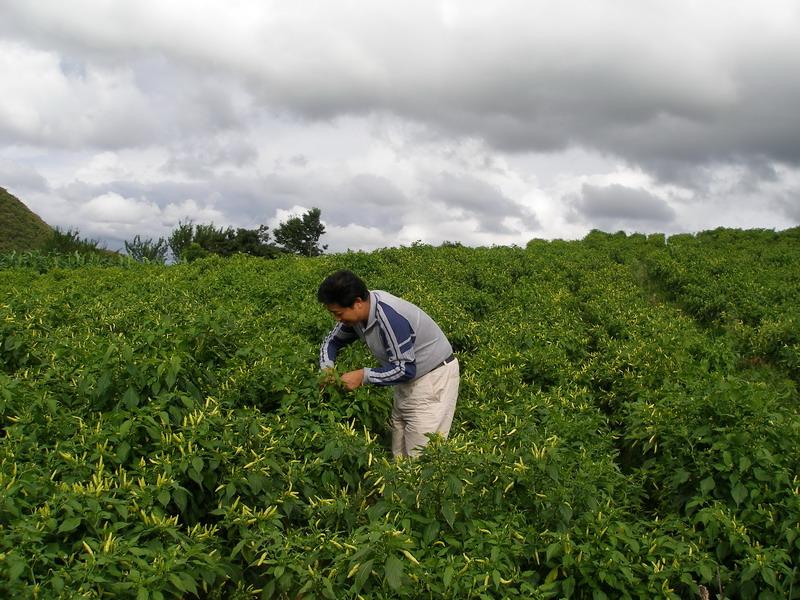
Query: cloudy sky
{"type": "Point", "coordinates": [488, 122]}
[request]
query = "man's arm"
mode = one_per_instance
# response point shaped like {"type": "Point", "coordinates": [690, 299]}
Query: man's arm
{"type": "Point", "coordinates": [339, 337]}
{"type": "Point", "coordinates": [398, 338]}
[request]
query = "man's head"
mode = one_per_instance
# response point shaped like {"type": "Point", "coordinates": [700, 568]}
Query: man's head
{"type": "Point", "coordinates": [345, 296]}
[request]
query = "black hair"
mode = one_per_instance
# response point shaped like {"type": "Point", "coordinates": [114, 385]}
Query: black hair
{"type": "Point", "coordinates": [343, 288]}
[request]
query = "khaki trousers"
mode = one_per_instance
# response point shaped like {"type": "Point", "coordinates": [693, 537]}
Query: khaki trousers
{"type": "Point", "coordinates": [422, 406]}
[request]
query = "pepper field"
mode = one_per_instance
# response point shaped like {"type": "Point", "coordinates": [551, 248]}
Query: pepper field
{"type": "Point", "coordinates": [627, 427]}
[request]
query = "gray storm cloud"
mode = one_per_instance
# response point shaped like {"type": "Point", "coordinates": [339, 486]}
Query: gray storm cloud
{"type": "Point", "coordinates": [265, 106]}
{"type": "Point", "coordinates": [643, 82]}
{"type": "Point", "coordinates": [380, 203]}
{"type": "Point", "coordinates": [617, 203]}
{"type": "Point", "coordinates": [478, 199]}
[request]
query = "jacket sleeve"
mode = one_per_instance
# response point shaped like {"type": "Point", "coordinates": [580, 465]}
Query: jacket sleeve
{"type": "Point", "coordinates": [339, 337]}
{"type": "Point", "coordinates": [398, 338]}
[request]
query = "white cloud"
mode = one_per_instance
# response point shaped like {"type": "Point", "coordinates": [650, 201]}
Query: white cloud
{"type": "Point", "coordinates": [354, 237]}
{"type": "Point", "coordinates": [474, 131]}
{"type": "Point", "coordinates": [44, 105]}
{"type": "Point", "coordinates": [112, 208]}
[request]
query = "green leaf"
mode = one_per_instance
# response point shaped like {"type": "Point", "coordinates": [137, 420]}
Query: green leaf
{"type": "Point", "coordinates": [142, 594]}
{"type": "Point", "coordinates": [103, 383]}
{"type": "Point", "coordinates": [553, 550]}
{"type": "Point", "coordinates": [123, 451]}
{"type": "Point", "coordinates": [748, 589]}
{"type": "Point", "coordinates": [449, 514]}
{"type": "Point", "coordinates": [238, 548]}
{"type": "Point", "coordinates": [739, 493]}
{"type": "Point", "coordinates": [180, 497]}
{"type": "Point", "coordinates": [430, 533]}
{"type": "Point", "coordinates": [15, 566]}
{"type": "Point", "coordinates": [762, 475]}
{"type": "Point", "coordinates": [230, 490]}
{"type": "Point", "coordinates": [177, 582]}
{"type": "Point", "coordinates": [748, 572]}
{"type": "Point", "coordinates": [727, 459]}
{"type": "Point", "coordinates": [163, 497]}
{"type": "Point", "coordinates": [568, 586]}
{"type": "Point", "coordinates": [131, 400]}
{"type": "Point", "coordinates": [393, 571]}
{"type": "Point", "coordinates": [197, 463]}
{"type": "Point", "coordinates": [189, 583]}
{"type": "Point", "coordinates": [172, 372]}
{"type": "Point", "coordinates": [496, 577]}
{"type": "Point", "coordinates": [268, 590]}
{"type": "Point", "coordinates": [769, 577]}
{"type": "Point", "coordinates": [195, 476]}
{"type": "Point", "coordinates": [448, 576]}
{"type": "Point", "coordinates": [363, 573]}
{"type": "Point", "coordinates": [707, 485]}
{"type": "Point", "coordinates": [681, 476]}
{"type": "Point", "coordinates": [328, 591]}
{"type": "Point", "coordinates": [69, 524]}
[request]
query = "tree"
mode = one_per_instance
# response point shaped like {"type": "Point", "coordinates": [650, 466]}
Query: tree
{"type": "Point", "coordinates": [189, 241]}
{"type": "Point", "coordinates": [255, 242]}
{"type": "Point", "coordinates": [147, 250]}
{"type": "Point", "coordinates": [300, 235]}
{"type": "Point", "coordinates": [180, 239]}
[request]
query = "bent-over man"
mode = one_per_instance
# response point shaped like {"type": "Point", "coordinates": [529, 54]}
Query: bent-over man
{"type": "Point", "coordinates": [415, 357]}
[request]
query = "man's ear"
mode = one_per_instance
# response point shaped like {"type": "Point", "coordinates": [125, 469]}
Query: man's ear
{"type": "Point", "coordinates": [359, 304]}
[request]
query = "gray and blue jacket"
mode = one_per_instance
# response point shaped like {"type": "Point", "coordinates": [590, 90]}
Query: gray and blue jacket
{"type": "Point", "coordinates": [405, 340]}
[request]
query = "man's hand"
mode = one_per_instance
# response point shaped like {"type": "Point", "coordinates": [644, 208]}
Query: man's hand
{"type": "Point", "coordinates": [353, 379]}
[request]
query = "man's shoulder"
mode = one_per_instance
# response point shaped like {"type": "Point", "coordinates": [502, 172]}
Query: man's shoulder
{"type": "Point", "coordinates": [384, 298]}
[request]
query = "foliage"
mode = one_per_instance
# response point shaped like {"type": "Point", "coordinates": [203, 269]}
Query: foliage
{"type": "Point", "coordinates": [42, 262]}
{"type": "Point", "coordinates": [69, 241]}
{"type": "Point", "coordinates": [189, 241]}
{"type": "Point", "coordinates": [148, 250]}
{"type": "Point", "coordinates": [180, 239]}
{"type": "Point", "coordinates": [164, 434]}
{"type": "Point", "coordinates": [300, 235]}
{"type": "Point", "coordinates": [62, 250]}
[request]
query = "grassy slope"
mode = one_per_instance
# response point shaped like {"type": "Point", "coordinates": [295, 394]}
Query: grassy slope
{"type": "Point", "coordinates": [20, 228]}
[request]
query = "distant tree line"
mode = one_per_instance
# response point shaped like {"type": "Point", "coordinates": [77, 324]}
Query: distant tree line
{"type": "Point", "coordinates": [189, 241]}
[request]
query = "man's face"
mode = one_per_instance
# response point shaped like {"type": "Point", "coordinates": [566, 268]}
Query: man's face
{"type": "Point", "coordinates": [350, 315]}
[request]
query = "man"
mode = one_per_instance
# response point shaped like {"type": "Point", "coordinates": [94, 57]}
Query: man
{"type": "Point", "coordinates": [415, 357]}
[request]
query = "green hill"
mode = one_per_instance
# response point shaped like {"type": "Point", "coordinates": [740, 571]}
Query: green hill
{"type": "Point", "coordinates": [20, 228]}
